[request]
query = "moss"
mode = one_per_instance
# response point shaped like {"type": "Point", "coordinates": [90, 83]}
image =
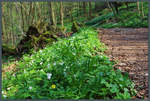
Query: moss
{"type": "Point", "coordinates": [75, 27]}
{"type": "Point", "coordinates": [8, 50]}
{"type": "Point", "coordinates": [39, 35]}
{"type": "Point", "coordinates": [43, 39]}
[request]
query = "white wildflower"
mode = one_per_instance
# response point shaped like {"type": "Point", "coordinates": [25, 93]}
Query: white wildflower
{"type": "Point", "coordinates": [30, 88]}
{"type": "Point", "coordinates": [48, 59]}
{"type": "Point", "coordinates": [49, 76]}
{"type": "Point", "coordinates": [5, 96]}
{"type": "Point", "coordinates": [64, 69]}
{"type": "Point", "coordinates": [74, 54]}
{"type": "Point", "coordinates": [14, 75]}
{"type": "Point", "coordinates": [25, 71]}
{"type": "Point", "coordinates": [61, 63]}
{"type": "Point", "coordinates": [54, 63]}
{"type": "Point", "coordinates": [8, 88]}
{"type": "Point", "coordinates": [32, 61]}
{"type": "Point", "coordinates": [65, 73]}
{"type": "Point", "coordinates": [41, 63]}
{"type": "Point", "coordinates": [40, 51]}
{"type": "Point", "coordinates": [48, 65]}
{"type": "Point", "coordinates": [2, 92]}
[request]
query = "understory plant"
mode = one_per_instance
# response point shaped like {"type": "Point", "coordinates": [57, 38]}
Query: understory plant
{"type": "Point", "coordinates": [71, 68]}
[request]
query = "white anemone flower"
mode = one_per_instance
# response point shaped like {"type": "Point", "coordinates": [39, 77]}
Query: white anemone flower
{"type": "Point", "coordinates": [40, 51]}
{"type": "Point", "coordinates": [64, 69]}
{"type": "Point", "coordinates": [32, 61]}
{"type": "Point", "coordinates": [25, 71]}
{"type": "Point", "coordinates": [54, 63]}
{"type": "Point", "coordinates": [41, 63]}
{"type": "Point", "coordinates": [14, 75]}
{"type": "Point", "coordinates": [8, 88]}
{"type": "Point", "coordinates": [65, 74]}
{"type": "Point", "coordinates": [73, 53]}
{"type": "Point", "coordinates": [61, 63]}
{"type": "Point", "coordinates": [48, 65]}
{"type": "Point", "coordinates": [30, 88]}
{"type": "Point", "coordinates": [49, 75]}
{"type": "Point", "coordinates": [5, 96]}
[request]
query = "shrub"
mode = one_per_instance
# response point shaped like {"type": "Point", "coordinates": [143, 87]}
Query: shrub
{"type": "Point", "coordinates": [73, 68]}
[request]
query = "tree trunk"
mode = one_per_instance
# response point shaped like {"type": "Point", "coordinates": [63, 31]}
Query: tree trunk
{"type": "Point", "coordinates": [61, 14]}
{"type": "Point", "coordinates": [84, 8]}
{"type": "Point", "coordinates": [22, 17]}
{"type": "Point", "coordinates": [142, 10]}
{"type": "Point", "coordinates": [138, 6]}
{"type": "Point", "coordinates": [12, 28]}
{"type": "Point", "coordinates": [52, 14]}
{"type": "Point", "coordinates": [3, 26]}
{"type": "Point", "coordinates": [90, 9]}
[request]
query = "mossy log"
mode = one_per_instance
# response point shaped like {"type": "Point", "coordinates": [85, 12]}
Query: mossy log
{"type": "Point", "coordinates": [6, 50]}
{"type": "Point", "coordinates": [76, 26]}
{"type": "Point", "coordinates": [39, 35]}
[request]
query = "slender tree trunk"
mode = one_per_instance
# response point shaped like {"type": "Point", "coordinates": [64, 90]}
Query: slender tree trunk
{"type": "Point", "coordinates": [142, 10]}
{"type": "Point", "coordinates": [39, 13]}
{"type": "Point", "coordinates": [22, 17]}
{"type": "Point", "coordinates": [84, 8]}
{"type": "Point", "coordinates": [90, 9]}
{"type": "Point", "coordinates": [33, 14]}
{"type": "Point", "coordinates": [12, 28]}
{"type": "Point", "coordinates": [61, 14]}
{"type": "Point", "coordinates": [3, 26]}
{"type": "Point", "coordinates": [138, 6]}
{"type": "Point", "coordinates": [19, 17]}
{"type": "Point", "coordinates": [52, 14]}
{"type": "Point", "coordinates": [80, 7]}
{"type": "Point", "coordinates": [29, 15]}
{"type": "Point", "coordinates": [25, 14]}
{"type": "Point", "coordinates": [77, 8]}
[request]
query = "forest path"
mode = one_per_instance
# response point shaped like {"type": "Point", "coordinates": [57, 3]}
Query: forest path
{"type": "Point", "coordinates": [130, 47]}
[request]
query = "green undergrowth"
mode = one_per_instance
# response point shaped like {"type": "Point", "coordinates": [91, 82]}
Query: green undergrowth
{"type": "Point", "coordinates": [125, 18]}
{"type": "Point", "coordinates": [71, 68]}
{"type": "Point", "coordinates": [7, 61]}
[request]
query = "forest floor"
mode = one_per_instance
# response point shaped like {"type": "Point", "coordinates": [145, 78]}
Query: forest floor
{"type": "Point", "coordinates": [129, 47]}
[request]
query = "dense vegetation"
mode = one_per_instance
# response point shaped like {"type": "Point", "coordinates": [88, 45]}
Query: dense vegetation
{"type": "Point", "coordinates": [73, 68]}
{"type": "Point", "coordinates": [58, 54]}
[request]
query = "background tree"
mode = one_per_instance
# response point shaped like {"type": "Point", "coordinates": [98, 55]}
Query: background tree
{"type": "Point", "coordinates": [61, 14]}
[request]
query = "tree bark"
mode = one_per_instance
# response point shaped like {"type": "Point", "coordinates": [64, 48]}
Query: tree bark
{"type": "Point", "coordinates": [4, 36]}
{"type": "Point", "coordinates": [138, 6]}
{"type": "Point", "coordinates": [90, 9]}
{"type": "Point", "coordinates": [61, 14]}
{"type": "Point", "coordinates": [52, 14]}
{"type": "Point", "coordinates": [142, 11]}
{"type": "Point", "coordinates": [22, 17]}
{"type": "Point", "coordinates": [84, 8]}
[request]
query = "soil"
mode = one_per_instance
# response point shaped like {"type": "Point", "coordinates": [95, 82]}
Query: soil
{"type": "Point", "coordinates": [129, 47]}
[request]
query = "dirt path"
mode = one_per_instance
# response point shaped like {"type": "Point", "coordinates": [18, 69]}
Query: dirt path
{"type": "Point", "coordinates": [130, 47]}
